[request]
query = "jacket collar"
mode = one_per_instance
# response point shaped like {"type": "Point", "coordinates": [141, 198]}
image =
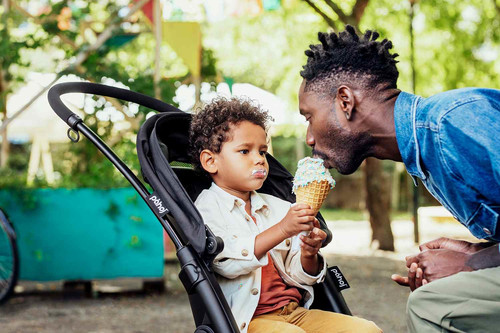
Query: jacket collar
{"type": "Point", "coordinates": [405, 111]}
{"type": "Point", "coordinates": [230, 201]}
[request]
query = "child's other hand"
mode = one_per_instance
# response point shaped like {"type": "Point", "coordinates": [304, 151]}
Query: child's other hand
{"type": "Point", "coordinates": [311, 244]}
{"type": "Point", "coordinates": [300, 217]}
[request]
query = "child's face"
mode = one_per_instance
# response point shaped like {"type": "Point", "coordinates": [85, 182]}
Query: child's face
{"type": "Point", "coordinates": [241, 165]}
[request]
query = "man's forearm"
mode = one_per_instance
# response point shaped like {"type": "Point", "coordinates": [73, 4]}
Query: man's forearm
{"type": "Point", "coordinates": [486, 258]}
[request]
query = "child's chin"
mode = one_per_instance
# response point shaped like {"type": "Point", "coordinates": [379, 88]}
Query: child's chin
{"type": "Point", "coordinates": [257, 184]}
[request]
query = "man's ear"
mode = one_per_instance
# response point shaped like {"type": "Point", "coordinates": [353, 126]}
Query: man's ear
{"type": "Point", "coordinates": [346, 101]}
{"type": "Point", "coordinates": [207, 159]}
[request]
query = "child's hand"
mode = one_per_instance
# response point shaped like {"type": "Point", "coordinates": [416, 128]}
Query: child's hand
{"type": "Point", "coordinates": [299, 218]}
{"type": "Point", "coordinates": [311, 244]}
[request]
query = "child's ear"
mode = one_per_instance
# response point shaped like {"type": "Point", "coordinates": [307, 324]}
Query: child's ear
{"type": "Point", "coordinates": [207, 159]}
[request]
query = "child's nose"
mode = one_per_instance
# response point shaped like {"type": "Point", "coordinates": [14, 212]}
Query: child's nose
{"type": "Point", "coordinates": [260, 159]}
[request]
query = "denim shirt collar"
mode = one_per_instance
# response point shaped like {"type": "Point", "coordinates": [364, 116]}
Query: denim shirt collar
{"type": "Point", "coordinates": [405, 111]}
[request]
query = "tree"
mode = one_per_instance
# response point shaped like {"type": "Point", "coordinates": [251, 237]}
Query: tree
{"type": "Point", "coordinates": [89, 39]}
{"type": "Point", "coordinates": [10, 49]}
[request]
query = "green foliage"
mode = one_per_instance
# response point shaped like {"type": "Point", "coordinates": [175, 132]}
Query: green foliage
{"type": "Point", "coordinates": [357, 215]}
{"type": "Point", "coordinates": [285, 151]}
{"type": "Point", "coordinates": [453, 39]}
{"type": "Point", "coordinates": [266, 50]}
{"type": "Point", "coordinates": [454, 42]}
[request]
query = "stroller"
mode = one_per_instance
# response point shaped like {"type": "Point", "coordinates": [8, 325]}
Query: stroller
{"type": "Point", "coordinates": [162, 144]}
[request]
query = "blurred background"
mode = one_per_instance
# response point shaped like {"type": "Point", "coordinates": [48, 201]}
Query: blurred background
{"type": "Point", "coordinates": [75, 218]}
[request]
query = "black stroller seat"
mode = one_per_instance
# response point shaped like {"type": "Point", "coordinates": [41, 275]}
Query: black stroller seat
{"type": "Point", "coordinates": [162, 146]}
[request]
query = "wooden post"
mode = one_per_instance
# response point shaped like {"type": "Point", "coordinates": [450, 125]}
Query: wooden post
{"type": "Point", "coordinates": [157, 31]}
{"type": "Point", "coordinates": [4, 150]}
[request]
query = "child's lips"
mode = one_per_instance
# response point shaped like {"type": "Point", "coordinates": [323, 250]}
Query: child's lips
{"type": "Point", "coordinates": [259, 173]}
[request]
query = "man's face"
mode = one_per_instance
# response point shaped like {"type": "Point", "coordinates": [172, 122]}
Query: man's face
{"type": "Point", "coordinates": [329, 133]}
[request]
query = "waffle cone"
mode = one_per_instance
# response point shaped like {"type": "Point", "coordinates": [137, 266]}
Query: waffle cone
{"type": "Point", "coordinates": [313, 194]}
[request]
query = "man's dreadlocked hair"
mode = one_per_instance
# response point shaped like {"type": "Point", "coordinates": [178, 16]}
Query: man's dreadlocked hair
{"type": "Point", "coordinates": [349, 58]}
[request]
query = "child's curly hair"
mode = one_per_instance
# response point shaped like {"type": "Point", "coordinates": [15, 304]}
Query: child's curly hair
{"type": "Point", "coordinates": [210, 127]}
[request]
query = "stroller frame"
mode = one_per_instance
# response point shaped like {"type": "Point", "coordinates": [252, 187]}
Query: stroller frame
{"type": "Point", "coordinates": [210, 309]}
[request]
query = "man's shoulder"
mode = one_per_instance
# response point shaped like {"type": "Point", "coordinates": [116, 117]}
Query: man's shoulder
{"type": "Point", "coordinates": [455, 103]}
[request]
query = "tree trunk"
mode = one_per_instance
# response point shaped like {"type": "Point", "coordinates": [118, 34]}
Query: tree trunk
{"type": "Point", "coordinates": [378, 202]}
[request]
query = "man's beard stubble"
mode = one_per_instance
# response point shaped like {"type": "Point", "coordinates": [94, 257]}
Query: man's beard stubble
{"type": "Point", "coordinates": [348, 152]}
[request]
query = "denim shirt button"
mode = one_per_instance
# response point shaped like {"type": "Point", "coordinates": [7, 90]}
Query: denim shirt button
{"type": "Point", "coordinates": [487, 231]}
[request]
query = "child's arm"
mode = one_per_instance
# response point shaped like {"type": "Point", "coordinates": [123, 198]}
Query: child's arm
{"type": "Point", "coordinates": [310, 246]}
{"type": "Point", "coordinates": [299, 218]}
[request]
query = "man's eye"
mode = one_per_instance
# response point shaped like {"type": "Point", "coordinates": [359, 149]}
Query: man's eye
{"type": "Point", "coordinates": [244, 151]}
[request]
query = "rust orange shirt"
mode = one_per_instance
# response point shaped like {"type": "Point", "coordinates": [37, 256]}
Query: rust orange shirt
{"type": "Point", "coordinates": [274, 293]}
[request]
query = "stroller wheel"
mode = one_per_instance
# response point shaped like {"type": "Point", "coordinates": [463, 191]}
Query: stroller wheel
{"type": "Point", "coordinates": [204, 329]}
{"type": "Point", "coordinates": [9, 262]}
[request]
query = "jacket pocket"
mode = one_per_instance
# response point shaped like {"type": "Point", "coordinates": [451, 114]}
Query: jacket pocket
{"type": "Point", "coordinates": [483, 223]}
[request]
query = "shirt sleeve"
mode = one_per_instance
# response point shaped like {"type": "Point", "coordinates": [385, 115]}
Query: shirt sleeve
{"type": "Point", "coordinates": [237, 258]}
{"type": "Point", "coordinates": [294, 267]}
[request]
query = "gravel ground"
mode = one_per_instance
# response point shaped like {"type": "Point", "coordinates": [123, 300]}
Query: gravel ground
{"type": "Point", "coordinates": [121, 306]}
{"type": "Point", "coordinates": [45, 308]}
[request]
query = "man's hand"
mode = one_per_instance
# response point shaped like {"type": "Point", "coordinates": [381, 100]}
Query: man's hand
{"type": "Point", "coordinates": [451, 244]}
{"type": "Point", "coordinates": [433, 264]}
{"type": "Point", "coordinates": [300, 217]}
{"type": "Point", "coordinates": [310, 246]}
{"type": "Point", "coordinates": [445, 243]}
{"type": "Point", "coordinates": [414, 280]}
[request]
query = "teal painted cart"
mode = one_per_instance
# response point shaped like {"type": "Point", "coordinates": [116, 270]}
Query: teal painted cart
{"type": "Point", "coordinates": [84, 234]}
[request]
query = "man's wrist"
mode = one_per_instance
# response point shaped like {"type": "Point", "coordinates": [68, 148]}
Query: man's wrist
{"type": "Point", "coordinates": [485, 258]}
{"type": "Point", "coordinates": [475, 247]}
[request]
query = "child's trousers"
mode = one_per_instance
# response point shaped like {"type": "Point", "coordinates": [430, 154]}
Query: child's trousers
{"type": "Point", "coordinates": [295, 319]}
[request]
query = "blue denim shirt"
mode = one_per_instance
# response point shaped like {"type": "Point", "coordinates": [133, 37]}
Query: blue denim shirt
{"type": "Point", "coordinates": [451, 141]}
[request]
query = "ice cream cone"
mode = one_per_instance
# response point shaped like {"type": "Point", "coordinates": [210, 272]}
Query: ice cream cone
{"type": "Point", "coordinates": [312, 182]}
{"type": "Point", "coordinates": [313, 194]}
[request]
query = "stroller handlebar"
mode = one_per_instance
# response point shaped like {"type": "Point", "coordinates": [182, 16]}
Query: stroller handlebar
{"type": "Point", "coordinates": [69, 117]}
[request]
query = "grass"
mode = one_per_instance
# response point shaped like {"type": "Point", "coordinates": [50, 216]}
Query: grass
{"type": "Point", "coordinates": [358, 215]}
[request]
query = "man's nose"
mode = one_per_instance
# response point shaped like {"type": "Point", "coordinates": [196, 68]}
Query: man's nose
{"type": "Point", "coordinates": [309, 137]}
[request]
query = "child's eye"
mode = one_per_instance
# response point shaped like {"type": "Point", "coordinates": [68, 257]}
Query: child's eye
{"type": "Point", "coordinates": [244, 151]}
{"type": "Point", "coordinates": [263, 152]}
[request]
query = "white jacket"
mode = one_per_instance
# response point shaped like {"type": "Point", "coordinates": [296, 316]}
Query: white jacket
{"type": "Point", "coordinates": [238, 268]}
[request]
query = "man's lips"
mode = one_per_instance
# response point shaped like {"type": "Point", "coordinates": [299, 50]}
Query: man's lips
{"type": "Point", "coordinates": [326, 164]}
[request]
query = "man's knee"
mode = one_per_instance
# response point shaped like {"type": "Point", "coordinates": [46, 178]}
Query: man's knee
{"type": "Point", "coordinates": [422, 310]}
{"type": "Point", "coordinates": [416, 301]}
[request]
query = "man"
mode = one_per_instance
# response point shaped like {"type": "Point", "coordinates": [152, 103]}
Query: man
{"type": "Point", "coordinates": [450, 141]}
